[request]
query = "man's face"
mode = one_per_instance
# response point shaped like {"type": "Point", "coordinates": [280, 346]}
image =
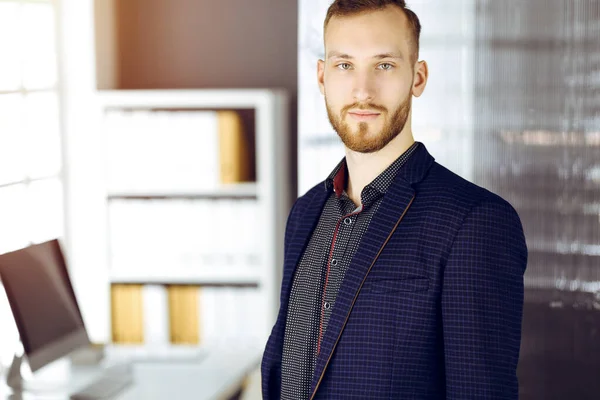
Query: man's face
{"type": "Point", "coordinates": [367, 77]}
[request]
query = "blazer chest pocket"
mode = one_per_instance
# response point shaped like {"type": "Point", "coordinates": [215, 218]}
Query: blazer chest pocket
{"type": "Point", "coordinates": [412, 284]}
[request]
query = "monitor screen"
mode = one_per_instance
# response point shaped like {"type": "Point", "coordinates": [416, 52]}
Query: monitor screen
{"type": "Point", "coordinates": [43, 302]}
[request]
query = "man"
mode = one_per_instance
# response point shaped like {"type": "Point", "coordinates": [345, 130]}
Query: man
{"type": "Point", "coordinates": [401, 280]}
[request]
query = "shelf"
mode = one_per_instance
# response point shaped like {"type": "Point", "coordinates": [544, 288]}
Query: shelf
{"type": "Point", "coordinates": [179, 352]}
{"type": "Point", "coordinates": [224, 276]}
{"type": "Point", "coordinates": [189, 194]}
{"type": "Point", "coordinates": [192, 99]}
{"type": "Point", "coordinates": [238, 191]}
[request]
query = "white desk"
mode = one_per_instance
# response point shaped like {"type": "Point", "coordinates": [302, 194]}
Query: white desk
{"type": "Point", "coordinates": [216, 376]}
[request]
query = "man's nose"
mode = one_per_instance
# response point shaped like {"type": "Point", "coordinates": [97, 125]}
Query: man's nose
{"type": "Point", "coordinates": [364, 87]}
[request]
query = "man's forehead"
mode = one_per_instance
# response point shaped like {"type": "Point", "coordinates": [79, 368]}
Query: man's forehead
{"type": "Point", "coordinates": [391, 16]}
{"type": "Point", "coordinates": [376, 32]}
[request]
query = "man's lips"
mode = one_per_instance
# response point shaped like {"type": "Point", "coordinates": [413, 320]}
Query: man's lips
{"type": "Point", "coordinates": [363, 115]}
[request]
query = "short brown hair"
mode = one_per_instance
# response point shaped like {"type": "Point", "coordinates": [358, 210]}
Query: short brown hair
{"type": "Point", "coordinates": [341, 8]}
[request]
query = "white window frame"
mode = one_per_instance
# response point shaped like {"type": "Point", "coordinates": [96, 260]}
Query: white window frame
{"type": "Point", "coordinates": [6, 342]}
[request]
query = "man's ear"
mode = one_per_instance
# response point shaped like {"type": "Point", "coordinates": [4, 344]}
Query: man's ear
{"type": "Point", "coordinates": [320, 75]}
{"type": "Point", "coordinates": [420, 78]}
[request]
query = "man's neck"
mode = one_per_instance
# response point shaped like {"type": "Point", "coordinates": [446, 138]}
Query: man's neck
{"type": "Point", "coordinates": [363, 168]}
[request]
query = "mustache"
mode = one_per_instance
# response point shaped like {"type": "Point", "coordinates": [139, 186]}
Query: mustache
{"type": "Point", "coordinates": [364, 106]}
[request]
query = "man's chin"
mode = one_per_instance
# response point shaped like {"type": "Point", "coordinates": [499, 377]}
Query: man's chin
{"type": "Point", "coordinates": [362, 148]}
{"type": "Point", "coordinates": [362, 136]}
{"type": "Point", "coordinates": [362, 144]}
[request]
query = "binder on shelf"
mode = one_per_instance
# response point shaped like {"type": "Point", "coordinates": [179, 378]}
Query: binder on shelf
{"type": "Point", "coordinates": [225, 228]}
{"type": "Point", "coordinates": [127, 314]}
{"type": "Point", "coordinates": [156, 315]}
{"type": "Point", "coordinates": [243, 315]}
{"type": "Point", "coordinates": [185, 144]}
{"type": "Point", "coordinates": [229, 317]}
{"type": "Point", "coordinates": [208, 306]}
{"type": "Point", "coordinates": [184, 316]}
{"type": "Point", "coordinates": [203, 128]}
{"type": "Point", "coordinates": [254, 316]}
{"type": "Point", "coordinates": [234, 149]}
{"type": "Point", "coordinates": [251, 220]}
{"type": "Point", "coordinates": [202, 236]}
{"type": "Point", "coordinates": [236, 228]}
{"type": "Point", "coordinates": [159, 315]}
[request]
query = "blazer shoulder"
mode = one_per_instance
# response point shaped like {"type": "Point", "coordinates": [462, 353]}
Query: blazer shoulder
{"type": "Point", "coordinates": [465, 205]}
{"type": "Point", "coordinates": [450, 188]}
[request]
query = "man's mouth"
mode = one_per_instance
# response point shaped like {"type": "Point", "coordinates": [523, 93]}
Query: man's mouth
{"type": "Point", "coordinates": [363, 115]}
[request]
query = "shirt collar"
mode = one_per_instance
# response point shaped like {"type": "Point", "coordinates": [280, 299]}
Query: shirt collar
{"type": "Point", "coordinates": [338, 178]}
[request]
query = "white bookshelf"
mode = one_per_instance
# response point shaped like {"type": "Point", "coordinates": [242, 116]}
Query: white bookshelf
{"type": "Point", "coordinates": [240, 190]}
{"type": "Point", "coordinates": [245, 275]}
{"type": "Point", "coordinates": [269, 195]}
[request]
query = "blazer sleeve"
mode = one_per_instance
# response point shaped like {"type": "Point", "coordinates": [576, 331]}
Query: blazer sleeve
{"type": "Point", "coordinates": [482, 304]}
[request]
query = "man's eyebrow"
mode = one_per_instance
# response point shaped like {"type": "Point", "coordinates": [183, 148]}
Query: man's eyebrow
{"type": "Point", "coordinates": [337, 54]}
{"type": "Point", "coordinates": [388, 55]}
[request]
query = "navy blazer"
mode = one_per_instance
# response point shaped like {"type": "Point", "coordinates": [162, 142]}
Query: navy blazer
{"type": "Point", "coordinates": [431, 304]}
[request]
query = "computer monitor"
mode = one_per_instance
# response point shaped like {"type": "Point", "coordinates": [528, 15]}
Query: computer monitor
{"type": "Point", "coordinates": [43, 302]}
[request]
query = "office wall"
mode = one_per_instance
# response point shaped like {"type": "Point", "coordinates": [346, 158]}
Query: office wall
{"type": "Point", "coordinates": [204, 43]}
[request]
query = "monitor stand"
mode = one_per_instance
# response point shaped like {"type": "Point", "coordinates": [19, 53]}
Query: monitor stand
{"type": "Point", "coordinates": [14, 376]}
{"type": "Point", "coordinates": [21, 380]}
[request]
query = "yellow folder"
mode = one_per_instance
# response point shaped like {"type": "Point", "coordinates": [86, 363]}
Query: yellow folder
{"type": "Point", "coordinates": [184, 326]}
{"type": "Point", "coordinates": [127, 314]}
{"type": "Point", "coordinates": [234, 147]}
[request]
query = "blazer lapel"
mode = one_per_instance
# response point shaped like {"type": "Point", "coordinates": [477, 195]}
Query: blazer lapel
{"type": "Point", "coordinates": [395, 204]}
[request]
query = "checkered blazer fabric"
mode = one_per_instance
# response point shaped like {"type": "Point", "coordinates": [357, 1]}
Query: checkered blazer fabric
{"type": "Point", "coordinates": [431, 304]}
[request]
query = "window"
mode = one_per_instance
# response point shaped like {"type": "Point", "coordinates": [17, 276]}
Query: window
{"type": "Point", "coordinates": [31, 189]}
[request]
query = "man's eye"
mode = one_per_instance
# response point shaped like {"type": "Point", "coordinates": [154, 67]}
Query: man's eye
{"type": "Point", "coordinates": [385, 66]}
{"type": "Point", "coordinates": [344, 66]}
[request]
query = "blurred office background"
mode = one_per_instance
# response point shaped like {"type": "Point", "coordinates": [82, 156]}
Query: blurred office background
{"type": "Point", "coordinates": [511, 104]}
